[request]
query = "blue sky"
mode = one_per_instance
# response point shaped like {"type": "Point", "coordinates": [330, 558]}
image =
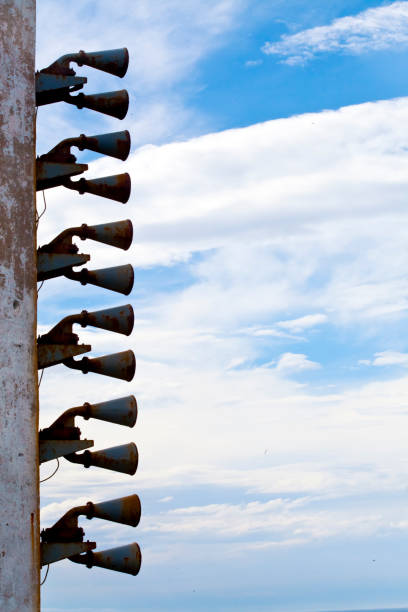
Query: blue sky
{"type": "Point", "coordinates": [269, 202]}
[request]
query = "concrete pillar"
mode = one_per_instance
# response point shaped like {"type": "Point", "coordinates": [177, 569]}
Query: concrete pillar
{"type": "Point", "coordinates": [19, 490]}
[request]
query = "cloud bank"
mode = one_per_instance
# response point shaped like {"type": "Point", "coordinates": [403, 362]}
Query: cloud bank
{"type": "Point", "coordinates": [375, 29]}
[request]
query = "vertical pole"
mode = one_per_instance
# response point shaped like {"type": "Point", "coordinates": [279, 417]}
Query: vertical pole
{"type": "Point", "coordinates": [19, 489]}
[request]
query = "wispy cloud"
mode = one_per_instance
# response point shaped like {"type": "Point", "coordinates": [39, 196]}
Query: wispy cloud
{"type": "Point", "coordinates": [296, 362]}
{"type": "Point", "coordinates": [302, 323]}
{"type": "Point", "coordinates": [374, 29]}
{"type": "Point", "coordinates": [390, 358]}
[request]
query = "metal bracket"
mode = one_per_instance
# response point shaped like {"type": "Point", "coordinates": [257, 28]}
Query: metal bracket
{"type": "Point", "coordinates": [50, 265]}
{"type": "Point", "coordinates": [51, 88]}
{"type": "Point", "coordinates": [52, 174]}
{"type": "Point", "coordinates": [52, 354]}
{"type": "Point", "coordinates": [51, 449]}
{"type": "Point", "coordinates": [55, 551]}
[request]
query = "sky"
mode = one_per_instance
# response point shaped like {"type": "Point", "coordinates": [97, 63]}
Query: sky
{"type": "Point", "coordinates": [269, 167]}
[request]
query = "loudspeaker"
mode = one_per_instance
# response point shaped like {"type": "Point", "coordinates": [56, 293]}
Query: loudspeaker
{"type": "Point", "coordinates": [119, 278]}
{"type": "Point", "coordinates": [124, 510]}
{"type": "Point", "coordinates": [119, 319]}
{"type": "Point", "coordinates": [114, 144]}
{"type": "Point", "coordinates": [122, 411]}
{"type": "Point", "coordinates": [116, 187]}
{"type": "Point", "coordinates": [117, 365]}
{"type": "Point", "coordinates": [118, 234]}
{"type": "Point", "coordinates": [112, 103]}
{"type": "Point", "coordinates": [113, 61]}
{"type": "Point", "coordinates": [123, 458]}
{"type": "Point", "coordinates": [126, 559]}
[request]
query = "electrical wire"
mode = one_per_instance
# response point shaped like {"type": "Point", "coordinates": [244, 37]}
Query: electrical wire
{"type": "Point", "coordinates": [54, 472]}
{"type": "Point", "coordinates": [46, 574]}
{"type": "Point", "coordinates": [44, 209]}
{"type": "Point", "coordinates": [41, 375]}
{"type": "Point", "coordinates": [38, 290]}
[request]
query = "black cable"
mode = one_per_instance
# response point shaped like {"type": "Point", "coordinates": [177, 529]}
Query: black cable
{"type": "Point", "coordinates": [41, 375]}
{"type": "Point", "coordinates": [46, 574]}
{"type": "Point", "coordinates": [54, 472]}
{"type": "Point", "coordinates": [45, 208]}
{"type": "Point", "coordinates": [38, 290]}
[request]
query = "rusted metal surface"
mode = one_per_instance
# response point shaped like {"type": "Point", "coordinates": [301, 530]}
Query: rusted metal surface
{"type": "Point", "coordinates": [116, 187]}
{"type": "Point", "coordinates": [122, 411]}
{"type": "Point", "coordinates": [126, 559]}
{"type": "Point", "coordinates": [51, 265]}
{"type": "Point", "coordinates": [58, 81]}
{"type": "Point", "coordinates": [118, 233]}
{"type": "Point", "coordinates": [54, 174]}
{"type": "Point", "coordinates": [116, 365]}
{"type": "Point", "coordinates": [125, 510]}
{"type": "Point", "coordinates": [51, 88]}
{"type": "Point", "coordinates": [56, 551]}
{"type": "Point", "coordinates": [59, 257]}
{"type": "Point", "coordinates": [51, 449]}
{"type": "Point", "coordinates": [62, 429]}
{"type": "Point", "coordinates": [118, 278]}
{"type": "Point", "coordinates": [113, 144]}
{"type": "Point", "coordinates": [119, 319]}
{"type": "Point", "coordinates": [113, 61]}
{"type": "Point", "coordinates": [19, 507]}
{"type": "Point", "coordinates": [123, 458]}
{"type": "Point", "coordinates": [112, 103]}
{"type": "Point", "coordinates": [53, 354]}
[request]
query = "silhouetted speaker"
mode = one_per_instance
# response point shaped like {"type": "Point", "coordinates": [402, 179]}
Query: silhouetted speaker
{"type": "Point", "coordinates": [113, 61]}
{"type": "Point", "coordinates": [117, 365]}
{"type": "Point", "coordinates": [123, 458]}
{"type": "Point", "coordinates": [112, 103]}
{"type": "Point", "coordinates": [118, 278]}
{"type": "Point", "coordinates": [124, 510]}
{"type": "Point", "coordinates": [116, 187]}
{"type": "Point", "coordinates": [118, 234]}
{"type": "Point", "coordinates": [126, 559]}
{"type": "Point", "coordinates": [113, 144]}
{"type": "Point", "coordinates": [119, 319]}
{"type": "Point", "coordinates": [122, 411]}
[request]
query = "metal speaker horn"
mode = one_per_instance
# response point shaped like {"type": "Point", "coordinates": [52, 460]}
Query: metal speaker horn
{"type": "Point", "coordinates": [116, 365]}
{"type": "Point", "coordinates": [118, 234]}
{"type": "Point", "coordinates": [116, 187]}
{"type": "Point", "coordinates": [122, 411]}
{"type": "Point", "coordinates": [113, 61]}
{"type": "Point", "coordinates": [124, 510]}
{"type": "Point", "coordinates": [123, 458]}
{"type": "Point", "coordinates": [126, 559]}
{"type": "Point", "coordinates": [112, 103]}
{"type": "Point", "coordinates": [119, 278]}
{"type": "Point", "coordinates": [119, 319]}
{"type": "Point", "coordinates": [113, 144]}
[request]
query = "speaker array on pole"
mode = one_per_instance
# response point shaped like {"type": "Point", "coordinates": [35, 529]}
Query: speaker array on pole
{"type": "Point", "coordinates": [60, 345]}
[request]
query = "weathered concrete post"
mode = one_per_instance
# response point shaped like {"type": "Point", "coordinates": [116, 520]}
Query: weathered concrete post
{"type": "Point", "coordinates": [19, 495]}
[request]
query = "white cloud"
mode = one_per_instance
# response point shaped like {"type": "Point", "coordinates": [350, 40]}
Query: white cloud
{"type": "Point", "coordinates": [277, 522]}
{"type": "Point", "coordinates": [382, 27]}
{"type": "Point", "coordinates": [296, 362]}
{"type": "Point", "coordinates": [386, 358]}
{"type": "Point", "coordinates": [302, 323]}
